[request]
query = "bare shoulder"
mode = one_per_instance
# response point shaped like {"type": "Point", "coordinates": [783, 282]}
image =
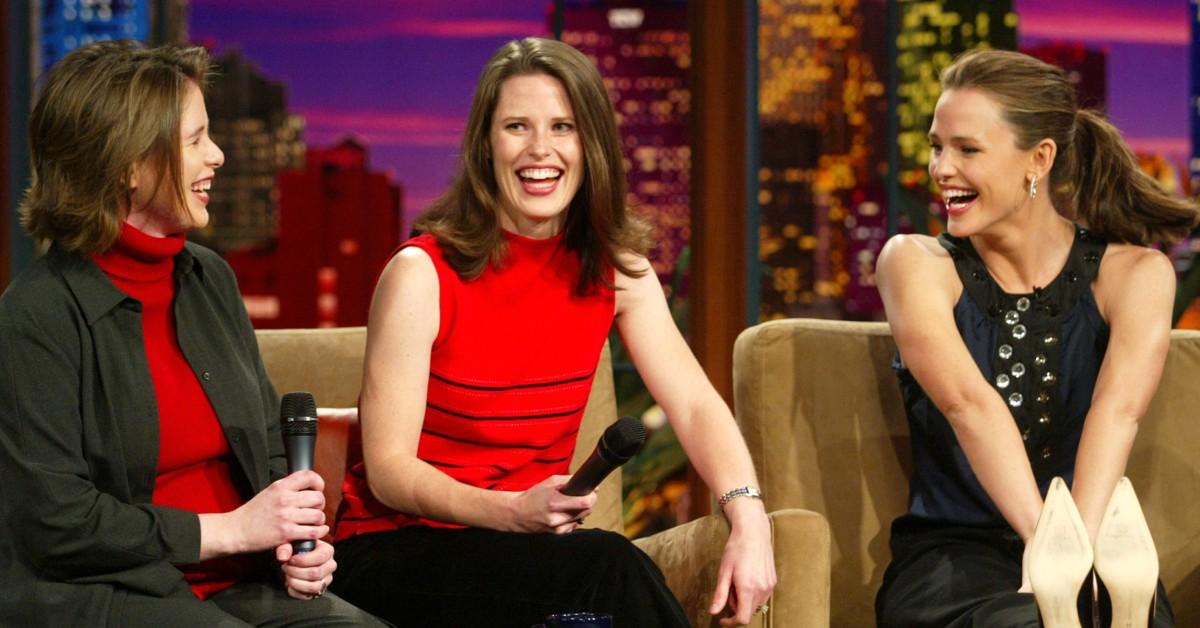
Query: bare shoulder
{"type": "Point", "coordinates": [913, 257]}
{"type": "Point", "coordinates": [409, 265]}
{"type": "Point", "coordinates": [635, 262]}
{"type": "Point", "coordinates": [1123, 259]}
{"type": "Point", "coordinates": [408, 286]}
{"type": "Point", "coordinates": [1128, 270]}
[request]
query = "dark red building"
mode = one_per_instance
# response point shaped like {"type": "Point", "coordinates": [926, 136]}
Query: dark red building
{"type": "Point", "coordinates": [1086, 68]}
{"type": "Point", "coordinates": [338, 224]}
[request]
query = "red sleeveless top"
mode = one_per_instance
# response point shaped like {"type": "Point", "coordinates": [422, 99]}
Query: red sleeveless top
{"type": "Point", "coordinates": [510, 374]}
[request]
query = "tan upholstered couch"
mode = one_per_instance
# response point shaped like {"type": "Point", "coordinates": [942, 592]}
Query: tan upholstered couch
{"type": "Point", "coordinates": [821, 411]}
{"type": "Point", "coordinates": [328, 363]}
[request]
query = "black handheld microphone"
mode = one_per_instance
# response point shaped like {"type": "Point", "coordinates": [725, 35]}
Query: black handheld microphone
{"type": "Point", "coordinates": [298, 421]}
{"type": "Point", "coordinates": [619, 443]}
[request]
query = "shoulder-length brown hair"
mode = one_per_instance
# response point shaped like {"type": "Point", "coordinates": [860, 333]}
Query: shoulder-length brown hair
{"type": "Point", "coordinates": [464, 219]}
{"type": "Point", "coordinates": [1095, 177]}
{"type": "Point", "coordinates": [104, 108]}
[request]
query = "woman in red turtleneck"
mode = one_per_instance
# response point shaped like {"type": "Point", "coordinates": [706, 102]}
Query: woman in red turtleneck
{"type": "Point", "coordinates": [144, 471]}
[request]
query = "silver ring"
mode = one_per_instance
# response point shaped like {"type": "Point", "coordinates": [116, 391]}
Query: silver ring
{"type": "Point", "coordinates": [763, 609]}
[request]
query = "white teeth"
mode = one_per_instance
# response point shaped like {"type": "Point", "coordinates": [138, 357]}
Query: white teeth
{"type": "Point", "coordinates": [203, 186]}
{"type": "Point", "coordinates": [539, 173]}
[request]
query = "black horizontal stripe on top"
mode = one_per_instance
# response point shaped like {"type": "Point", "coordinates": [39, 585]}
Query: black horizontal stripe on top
{"type": "Point", "coordinates": [529, 417]}
{"type": "Point", "coordinates": [451, 465]}
{"type": "Point", "coordinates": [497, 445]}
{"type": "Point", "coordinates": [560, 382]}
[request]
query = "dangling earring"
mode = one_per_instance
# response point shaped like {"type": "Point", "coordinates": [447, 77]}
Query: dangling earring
{"type": "Point", "coordinates": [1033, 187]}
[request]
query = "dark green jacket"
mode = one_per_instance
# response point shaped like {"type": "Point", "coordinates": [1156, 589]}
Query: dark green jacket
{"type": "Point", "coordinates": [79, 434]}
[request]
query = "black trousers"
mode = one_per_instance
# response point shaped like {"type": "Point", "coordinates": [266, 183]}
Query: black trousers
{"type": "Point", "coordinates": [243, 605]}
{"type": "Point", "coordinates": [421, 576]}
{"type": "Point", "coordinates": [945, 576]}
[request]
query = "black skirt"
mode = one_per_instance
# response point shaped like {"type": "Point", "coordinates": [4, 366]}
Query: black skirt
{"type": "Point", "coordinates": [946, 576]}
{"type": "Point", "coordinates": [422, 576]}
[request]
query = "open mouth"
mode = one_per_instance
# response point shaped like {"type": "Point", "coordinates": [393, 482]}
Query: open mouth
{"type": "Point", "coordinates": [200, 189]}
{"type": "Point", "coordinates": [539, 181]}
{"type": "Point", "coordinates": [958, 200]}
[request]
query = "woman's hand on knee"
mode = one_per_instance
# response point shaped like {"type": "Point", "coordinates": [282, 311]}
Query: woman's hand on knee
{"type": "Point", "coordinates": [306, 575]}
{"type": "Point", "coordinates": [290, 509]}
{"type": "Point", "coordinates": [544, 508]}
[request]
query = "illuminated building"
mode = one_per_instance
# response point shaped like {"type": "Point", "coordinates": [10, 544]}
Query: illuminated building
{"type": "Point", "coordinates": [931, 35]}
{"type": "Point", "coordinates": [1086, 69]}
{"type": "Point", "coordinates": [822, 107]}
{"type": "Point", "coordinates": [63, 25]}
{"type": "Point", "coordinates": [339, 222]}
{"type": "Point", "coordinates": [1194, 109]}
{"type": "Point", "coordinates": [643, 53]}
{"type": "Point", "coordinates": [249, 120]}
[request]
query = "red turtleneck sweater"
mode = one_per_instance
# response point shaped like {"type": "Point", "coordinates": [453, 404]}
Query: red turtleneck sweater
{"type": "Point", "coordinates": [195, 463]}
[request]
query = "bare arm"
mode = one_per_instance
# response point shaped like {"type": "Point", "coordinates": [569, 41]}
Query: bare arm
{"type": "Point", "coordinates": [919, 289]}
{"type": "Point", "coordinates": [403, 325]}
{"type": "Point", "coordinates": [1135, 297]}
{"type": "Point", "coordinates": [706, 430]}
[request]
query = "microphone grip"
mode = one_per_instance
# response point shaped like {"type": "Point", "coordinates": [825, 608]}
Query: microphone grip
{"type": "Point", "coordinates": [589, 475]}
{"type": "Point", "coordinates": [300, 458]}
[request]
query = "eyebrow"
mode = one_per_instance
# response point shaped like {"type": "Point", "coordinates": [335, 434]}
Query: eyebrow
{"type": "Point", "coordinates": [197, 131]}
{"type": "Point", "coordinates": [956, 138]}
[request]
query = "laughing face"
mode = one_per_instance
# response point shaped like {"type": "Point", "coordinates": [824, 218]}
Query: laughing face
{"type": "Point", "coordinates": [537, 155]}
{"type": "Point", "coordinates": [154, 206]}
{"type": "Point", "coordinates": [974, 159]}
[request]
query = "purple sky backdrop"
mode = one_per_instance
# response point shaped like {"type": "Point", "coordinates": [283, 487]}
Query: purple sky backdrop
{"type": "Point", "coordinates": [399, 75]}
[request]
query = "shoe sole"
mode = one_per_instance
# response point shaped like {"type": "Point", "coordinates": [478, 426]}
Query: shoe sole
{"type": "Point", "coordinates": [1059, 559]}
{"type": "Point", "coordinates": [1126, 559]}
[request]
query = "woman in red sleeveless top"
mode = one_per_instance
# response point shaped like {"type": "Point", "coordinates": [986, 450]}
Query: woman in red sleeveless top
{"type": "Point", "coordinates": [483, 339]}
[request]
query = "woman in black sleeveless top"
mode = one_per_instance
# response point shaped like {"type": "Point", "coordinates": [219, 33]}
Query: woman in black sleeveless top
{"type": "Point", "coordinates": [1031, 336]}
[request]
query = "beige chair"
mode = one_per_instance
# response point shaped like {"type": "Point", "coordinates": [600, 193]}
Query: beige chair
{"type": "Point", "coordinates": [328, 363]}
{"type": "Point", "coordinates": [821, 411]}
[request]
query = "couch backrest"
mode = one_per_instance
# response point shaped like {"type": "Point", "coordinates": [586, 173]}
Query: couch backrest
{"type": "Point", "coordinates": [329, 364]}
{"type": "Point", "coordinates": [821, 411]}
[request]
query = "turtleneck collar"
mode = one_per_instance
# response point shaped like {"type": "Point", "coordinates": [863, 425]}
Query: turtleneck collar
{"type": "Point", "coordinates": [516, 239]}
{"type": "Point", "coordinates": [138, 256]}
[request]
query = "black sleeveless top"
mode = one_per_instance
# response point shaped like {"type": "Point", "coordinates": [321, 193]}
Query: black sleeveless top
{"type": "Point", "coordinates": [1041, 352]}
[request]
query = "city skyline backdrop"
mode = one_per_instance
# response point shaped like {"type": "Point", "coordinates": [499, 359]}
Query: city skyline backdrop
{"type": "Point", "coordinates": [399, 76]}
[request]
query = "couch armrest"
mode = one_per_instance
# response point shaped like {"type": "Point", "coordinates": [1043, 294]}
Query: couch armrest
{"type": "Point", "coordinates": [689, 556]}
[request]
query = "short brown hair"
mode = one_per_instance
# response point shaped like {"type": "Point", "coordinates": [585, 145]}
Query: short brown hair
{"type": "Point", "coordinates": [464, 220]}
{"type": "Point", "coordinates": [104, 108]}
{"type": "Point", "coordinates": [1095, 177]}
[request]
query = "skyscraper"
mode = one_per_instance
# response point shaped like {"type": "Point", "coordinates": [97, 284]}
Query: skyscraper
{"type": "Point", "coordinates": [339, 222]}
{"type": "Point", "coordinates": [249, 120]}
{"type": "Point", "coordinates": [1194, 109]}
{"type": "Point", "coordinates": [643, 52]}
{"type": "Point", "coordinates": [63, 25]}
{"type": "Point", "coordinates": [931, 35]}
{"type": "Point", "coordinates": [822, 108]}
{"type": "Point", "coordinates": [1086, 69]}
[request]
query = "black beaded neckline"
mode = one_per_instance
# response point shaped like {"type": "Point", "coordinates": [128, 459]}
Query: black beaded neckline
{"type": "Point", "coordinates": [1027, 355]}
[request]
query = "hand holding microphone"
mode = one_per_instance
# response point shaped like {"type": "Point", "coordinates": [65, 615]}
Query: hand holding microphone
{"type": "Point", "coordinates": [298, 422]}
{"type": "Point", "coordinates": [617, 445]}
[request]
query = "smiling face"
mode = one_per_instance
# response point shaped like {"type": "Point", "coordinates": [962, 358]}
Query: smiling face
{"type": "Point", "coordinates": [537, 155]}
{"type": "Point", "coordinates": [975, 161]}
{"type": "Point", "coordinates": [154, 205]}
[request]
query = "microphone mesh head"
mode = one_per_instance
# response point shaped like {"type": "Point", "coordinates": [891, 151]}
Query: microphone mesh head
{"type": "Point", "coordinates": [298, 404]}
{"type": "Point", "coordinates": [298, 413]}
{"type": "Point", "coordinates": [625, 437]}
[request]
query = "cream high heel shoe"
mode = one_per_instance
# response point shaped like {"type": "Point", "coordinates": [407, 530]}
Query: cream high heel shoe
{"type": "Point", "coordinates": [1060, 557]}
{"type": "Point", "coordinates": [1126, 560]}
